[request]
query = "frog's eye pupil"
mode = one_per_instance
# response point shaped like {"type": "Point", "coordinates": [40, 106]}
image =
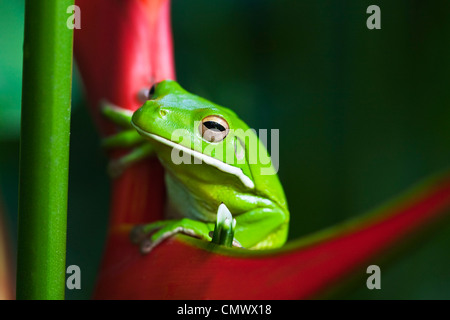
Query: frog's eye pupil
{"type": "Point", "coordinates": [214, 128]}
{"type": "Point", "coordinates": [151, 92]}
{"type": "Point", "coordinates": [212, 125]}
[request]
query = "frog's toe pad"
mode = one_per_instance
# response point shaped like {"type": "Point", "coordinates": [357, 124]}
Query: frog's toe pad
{"type": "Point", "coordinates": [146, 246]}
{"type": "Point", "coordinates": [137, 234]}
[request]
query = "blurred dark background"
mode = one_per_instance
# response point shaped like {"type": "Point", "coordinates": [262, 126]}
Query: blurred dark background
{"type": "Point", "coordinates": [363, 114]}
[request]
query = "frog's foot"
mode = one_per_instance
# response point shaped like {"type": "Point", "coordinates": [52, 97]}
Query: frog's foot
{"type": "Point", "coordinates": [150, 235]}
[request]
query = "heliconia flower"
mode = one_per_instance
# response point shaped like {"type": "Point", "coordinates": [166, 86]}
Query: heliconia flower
{"type": "Point", "coordinates": [187, 268]}
{"type": "Point", "coordinates": [121, 48]}
{"type": "Point", "coordinates": [125, 46]}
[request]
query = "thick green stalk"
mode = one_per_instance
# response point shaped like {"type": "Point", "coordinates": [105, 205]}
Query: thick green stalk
{"type": "Point", "coordinates": [44, 150]}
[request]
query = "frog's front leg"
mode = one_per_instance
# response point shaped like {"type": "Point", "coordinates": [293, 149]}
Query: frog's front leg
{"type": "Point", "coordinates": [222, 232]}
{"type": "Point", "coordinates": [164, 229]}
{"type": "Point", "coordinates": [129, 138]}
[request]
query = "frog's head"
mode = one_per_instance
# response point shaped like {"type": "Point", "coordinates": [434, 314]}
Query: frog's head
{"type": "Point", "coordinates": [194, 129]}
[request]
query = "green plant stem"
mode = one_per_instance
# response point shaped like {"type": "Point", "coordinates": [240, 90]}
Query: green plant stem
{"type": "Point", "coordinates": [44, 150]}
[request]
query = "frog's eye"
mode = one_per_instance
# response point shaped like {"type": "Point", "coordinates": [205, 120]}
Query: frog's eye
{"type": "Point", "coordinates": [146, 94]}
{"type": "Point", "coordinates": [151, 92]}
{"type": "Point", "coordinates": [214, 128]}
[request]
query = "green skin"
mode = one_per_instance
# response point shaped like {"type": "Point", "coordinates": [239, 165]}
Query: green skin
{"type": "Point", "coordinates": [196, 190]}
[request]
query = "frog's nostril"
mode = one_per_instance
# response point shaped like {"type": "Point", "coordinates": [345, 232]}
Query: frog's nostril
{"type": "Point", "coordinates": [162, 112]}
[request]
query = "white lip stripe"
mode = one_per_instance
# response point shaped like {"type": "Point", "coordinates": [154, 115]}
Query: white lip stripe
{"type": "Point", "coordinates": [207, 159]}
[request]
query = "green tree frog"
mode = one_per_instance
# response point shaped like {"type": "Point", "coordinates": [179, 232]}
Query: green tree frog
{"type": "Point", "coordinates": [213, 164]}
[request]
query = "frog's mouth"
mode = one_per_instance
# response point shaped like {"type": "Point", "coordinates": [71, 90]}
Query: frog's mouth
{"type": "Point", "coordinates": [222, 166]}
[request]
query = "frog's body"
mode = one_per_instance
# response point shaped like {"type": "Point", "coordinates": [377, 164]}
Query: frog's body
{"type": "Point", "coordinates": [220, 163]}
